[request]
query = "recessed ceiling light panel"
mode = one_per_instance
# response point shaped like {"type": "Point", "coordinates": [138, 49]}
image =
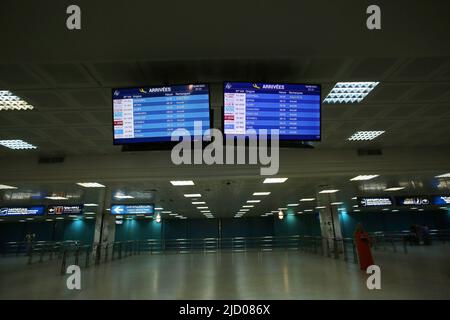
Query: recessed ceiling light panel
{"type": "Point", "coordinates": [9, 102]}
{"type": "Point", "coordinates": [349, 92]}
{"type": "Point", "coordinates": [17, 144]}
{"type": "Point", "coordinates": [365, 135]}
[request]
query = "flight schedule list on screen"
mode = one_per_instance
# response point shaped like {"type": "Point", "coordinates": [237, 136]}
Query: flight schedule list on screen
{"type": "Point", "coordinates": [293, 109]}
{"type": "Point", "coordinates": [151, 114]}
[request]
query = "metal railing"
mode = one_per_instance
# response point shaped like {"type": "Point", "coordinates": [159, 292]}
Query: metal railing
{"type": "Point", "coordinates": [73, 252]}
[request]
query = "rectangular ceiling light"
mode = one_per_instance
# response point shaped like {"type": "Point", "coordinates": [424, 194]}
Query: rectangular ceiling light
{"type": "Point", "coordinates": [9, 101]}
{"type": "Point", "coordinates": [349, 92]}
{"type": "Point", "coordinates": [445, 175]}
{"type": "Point", "coordinates": [364, 177]}
{"type": "Point", "coordinates": [205, 211]}
{"type": "Point", "coordinates": [249, 206]}
{"type": "Point", "coordinates": [244, 210]}
{"type": "Point", "coordinates": [199, 202]}
{"type": "Point", "coordinates": [308, 210]}
{"type": "Point", "coordinates": [168, 211]}
{"type": "Point", "coordinates": [292, 204]}
{"type": "Point", "coordinates": [123, 196]}
{"type": "Point", "coordinates": [365, 135]}
{"type": "Point", "coordinates": [274, 180]}
{"type": "Point", "coordinates": [394, 189]}
{"type": "Point", "coordinates": [329, 191]}
{"type": "Point", "coordinates": [253, 201]}
{"type": "Point", "coordinates": [91, 205]}
{"type": "Point", "coordinates": [193, 195]}
{"type": "Point", "coordinates": [307, 199]}
{"type": "Point", "coordinates": [202, 207]}
{"type": "Point", "coordinates": [320, 207]}
{"type": "Point", "coordinates": [261, 193]}
{"type": "Point", "coordinates": [56, 198]}
{"type": "Point", "coordinates": [6, 187]}
{"type": "Point", "coordinates": [159, 208]}
{"type": "Point", "coordinates": [90, 184]}
{"type": "Point", "coordinates": [17, 144]}
{"type": "Point", "coordinates": [336, 203]}
{"type": "Point", "coordinates": [182, 183]}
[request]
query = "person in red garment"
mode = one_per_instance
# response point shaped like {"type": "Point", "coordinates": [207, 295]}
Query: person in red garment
{"type": "Point", "coordinates": [363, 244]}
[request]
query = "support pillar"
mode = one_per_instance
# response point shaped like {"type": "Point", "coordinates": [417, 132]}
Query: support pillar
{"type": "Point", "coordinates": [330, 225]}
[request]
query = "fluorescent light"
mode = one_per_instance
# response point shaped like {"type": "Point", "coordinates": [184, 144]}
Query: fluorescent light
{"type": "Point", "coordinates": [182, 183]}
{"type": "Point", "coordinates": [365, 135]}
{"type": "Point", "coordinates": [21, 220]}
{"type": "Point", "coordinates": [307, 199]}
{"type": "Point", "coordinates": [5, 187]}
{"type": "Point", "coordinates": [123, 196]}
{"type": "Point", "coordinates": [192, 195]}
{"type": "Point", "coordinates": [73, 216]}
{"type": "Point", "coordinates": [90, 218]}
{"type": "Point", "coordinates": [354, 198]}
{"type": "Point", "coordinates": [244, 210]}
{"type": "Point", "coordinates": [202, 207]}
{"type": "Point", "coordinates": [349, 92]}
{"type": "Point", "coordinates": [91, 205]}
{"type": "Point", "coordinates": [394, 189]}
{"type": "Point", "coordinates": [119, 217]}
{"type": "Point", "coordinates": [293, 205]}
{"type": "Point", "coordinates": [394, 210]}
{"type": "Point", "coordinates": [59, 218]}
{"type": "Point", "coordinates": [320, 207]}
{"type": "Point", "coordinates": [336, 203]}
{"type": "Point", "coordinates": [282, 208]}
{"type": "Point", "coordinates": [203, 211]}
{"type": "Point", "coordinates": [56, 198]}
{"type": "Point", "coordinates": [385, 209]}
{"type": "Point", "coordinates": [355, 206]}
{"type": "Point", "coordinates": [90, 184]}
{"type": "Point", "coordinates": [274, 180]}
{"type": "Point", "coordinates": [308, 210]}
{"type": "Point", "coordinates": [30, 219]}
{"type": "Point", "coordinates": [17, 144]}
{"type": "Point", "coordinates": [249, 206]}
{"type": "Point", "coordinates": [261, 193]}
{"type": "Point", "coordinates": [329, 191]}
{"type": "Point", "coordinates": [9, 102]}
{"type": "Point", "coordinates": [167, 211]}
{"type": "Point", "coordinates": [253, 201]}
{"type": "Point", "coordinates": [159, 208]}
{"type": "Point", "coordinates": [356, 210]}
{"type": "Point", "coordinates": [173, 214]}
{"type": "Point", "coordinates": [445, 175]}
{"type": "Point", "coordinates": [48, 220]}
{"type": "Point", "coordinates": [420, 209]}
{"type": "Point", "coordinates": [199, 202]}
{"type": "Point", "coordinates": [89, 213]}
{"type": "Point", "coordinates": [364, 177]}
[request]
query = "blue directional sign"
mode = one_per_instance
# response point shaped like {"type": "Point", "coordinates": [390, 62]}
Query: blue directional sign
{"type": "Point", "coordinates": [22, 211]}
{"type": "Point", "coordinates": [119, 209]}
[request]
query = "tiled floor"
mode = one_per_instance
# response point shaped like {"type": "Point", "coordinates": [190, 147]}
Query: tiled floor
{"type": "Point", "coordinates": [424, 273]}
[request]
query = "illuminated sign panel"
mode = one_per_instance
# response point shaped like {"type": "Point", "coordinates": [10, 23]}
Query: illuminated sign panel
{"type": "Point", "coordinates": [22, 211]}
{"type": "Point", "coordinates": [64, 209]}
{"type": "Point", "coordinates": [148, 209]}
{"type": "Point", "coordinates": [413, 201]}
{"type": "Point", "coordinates": [374, 201]}
{"type": "Point", "coordinates": [441, 200]}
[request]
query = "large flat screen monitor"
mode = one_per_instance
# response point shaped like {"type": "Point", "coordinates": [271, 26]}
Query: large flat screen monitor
{"type": "Point", "coordinates": [151, 114]}
{"type": "Point", "coordinates": [293, 109]}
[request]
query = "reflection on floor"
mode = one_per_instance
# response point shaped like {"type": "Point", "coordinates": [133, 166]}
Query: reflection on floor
{"type": "Point", "coordinates": [421, 274]}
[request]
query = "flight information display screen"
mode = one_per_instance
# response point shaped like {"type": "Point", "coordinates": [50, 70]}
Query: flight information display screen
{"type": "Point", "coordinates": [151, 114]}
{"type": "Point", "coordinates": [293, 109]}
